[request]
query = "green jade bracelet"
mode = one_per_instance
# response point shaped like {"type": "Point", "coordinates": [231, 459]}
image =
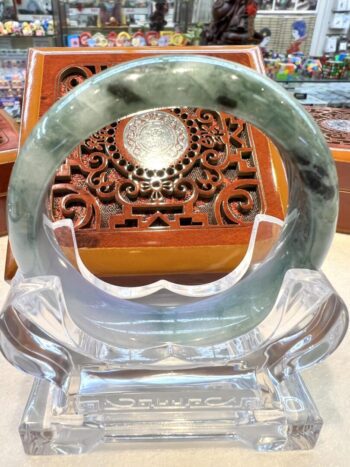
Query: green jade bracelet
{"type": "Point", "coordinates": [175, 81]}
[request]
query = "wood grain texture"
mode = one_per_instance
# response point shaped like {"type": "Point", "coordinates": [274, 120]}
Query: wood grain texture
{"type": "Point", "coordinates": [8, 134]}
{"type": "Point", "coordinates": [344, 212]}
{"type": "Point", "coordinates": [343, 169]}
{"type": "Point", "coordinates": [3, 216]}
{"type": "Point", "coordinates": [328, 117]}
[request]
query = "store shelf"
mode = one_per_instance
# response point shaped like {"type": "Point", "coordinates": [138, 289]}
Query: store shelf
{"type": "Point", "coordinates": [313, 81]}
{"type": "Point", "coordinates": [28, 37]}
{"type": "Point", "coordinates": [101, 28]}
{"type": "Point", "coordinates": [133, 27]}
{"type": "Point", "coordinates": [25, 42]}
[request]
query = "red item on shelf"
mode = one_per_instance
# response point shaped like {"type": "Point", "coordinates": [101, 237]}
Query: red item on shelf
{"type": "Point", "coordinates": [84, 37]}
{"type": "Point", "coordinates": [152, 37]}
{"type": "Point", "coordinates": [112, 39]}
{"type": "Point", "coordinates": [252, 8]}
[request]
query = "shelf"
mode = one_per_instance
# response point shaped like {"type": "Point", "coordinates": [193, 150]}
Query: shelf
{"type": "Point", "coordinates": [93, 28]}
{"type": "Point", "coordinates": [28, 37]}
{"type": "Point", "coordinates": [103, 28]}
{"type": "Point", "coordinates": [80, 29]}
{"type": "Point", "coordinates": [313, 81]}
{"type": "Point", "coordinates": [25, 42]}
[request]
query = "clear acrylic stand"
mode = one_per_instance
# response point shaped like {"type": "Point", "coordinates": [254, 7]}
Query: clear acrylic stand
{"type": "Point", "coordinates": [248, 389]}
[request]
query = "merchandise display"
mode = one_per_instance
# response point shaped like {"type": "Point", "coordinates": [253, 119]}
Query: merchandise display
{"type": "Point", "coordinates": [137, 39]}
{"type": "Point", "coordinates": [339, 22]}
{"type": "Point", "coordinates": [246, 340]}
{"type": "Point", "coordinates": [124, 24]}
{"type": "Point", "coordinates": [287, 5]}
{"type": "Point", "coordinates": [12, 78]}
{"type": "Point", "coordinates": [27, 10]}
{"type": "Point", "coordinates": [109, 13]}
{"type": "Point", "coordinates": [37, 28]}
{"type": "Point", "coordinates": [299, 67]}
{"type": "Point", "coordinates": [119, 14]}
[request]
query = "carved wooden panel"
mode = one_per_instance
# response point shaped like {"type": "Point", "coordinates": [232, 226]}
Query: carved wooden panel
{"type": "Point", "coordinates": [174, 169]}
{"type": "Point", "coordinates": [8, 132]}
{"type": "Point", "coordinates": [334, 123]}
{"type": "Point", "coordinates": [198, 169]}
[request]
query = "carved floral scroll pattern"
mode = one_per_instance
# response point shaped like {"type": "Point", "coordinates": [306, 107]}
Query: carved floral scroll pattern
{"type": "Point", "coordinates": [213, 183]}
{"type": "Point", "coordinates": [329, 118]}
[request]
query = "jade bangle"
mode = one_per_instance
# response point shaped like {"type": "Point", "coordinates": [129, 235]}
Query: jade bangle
{"type": "Point", "coordinates": [170, 81]}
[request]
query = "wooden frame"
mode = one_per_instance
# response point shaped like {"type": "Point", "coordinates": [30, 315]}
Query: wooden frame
{"type": "Point", "coordinates": [9, 135]}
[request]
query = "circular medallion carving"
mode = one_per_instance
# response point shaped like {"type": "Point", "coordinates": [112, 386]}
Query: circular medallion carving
{"type": "Point", "coordinates": [337, 125]}
{"type": "Point", "coordinates": [155, 139]}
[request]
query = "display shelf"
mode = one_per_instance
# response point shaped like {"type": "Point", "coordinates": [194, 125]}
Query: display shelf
{"type": "Point", "coordinates": [336, 39]}
{"type": "Point", "coordinates": [25, 42]}
{"type": "Point", "coordinates": [12, 79]}
{"type": "Point", "coordinates": [313, 81]}
{"type": "Point", "coordinates": [29, 37]}
{"type": "Point", "coordinates": [100, 14]}
{"type": "Point", "coordinates": [97, 28]}
{"type": "Point", "coordinates": [327, 93]}
{"type": "Point", "coordinates": [105, 28]}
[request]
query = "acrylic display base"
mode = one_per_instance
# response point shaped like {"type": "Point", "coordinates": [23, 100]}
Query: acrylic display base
{"type": "Point", "coordinates": [89, 390]}
{"type": "Point", "coordinates": [247, 390]}
{"type": "Point", "coordinates": [247, 408]}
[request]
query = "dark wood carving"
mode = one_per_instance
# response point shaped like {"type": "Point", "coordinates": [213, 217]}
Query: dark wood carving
{"type": "Point", "coordinates": [232, 24]}
{"type": "Point", "coordinates": [8, 132]}
{"type": "Point", "coordinates": [212, 182]}
{"type": "Point", "coordinates": [157, 18]}
{"type": "Point", "coordinates": [334, 123]}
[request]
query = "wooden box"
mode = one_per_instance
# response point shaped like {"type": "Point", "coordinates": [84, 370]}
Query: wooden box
{"type": "Point", "coordinates": [8, 151]}
{"type": "Point", "coordinates": [160, 231]}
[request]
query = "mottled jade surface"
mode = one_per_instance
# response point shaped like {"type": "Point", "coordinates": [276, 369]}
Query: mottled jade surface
{"type": "Point", "coordinates": [165, 82]}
